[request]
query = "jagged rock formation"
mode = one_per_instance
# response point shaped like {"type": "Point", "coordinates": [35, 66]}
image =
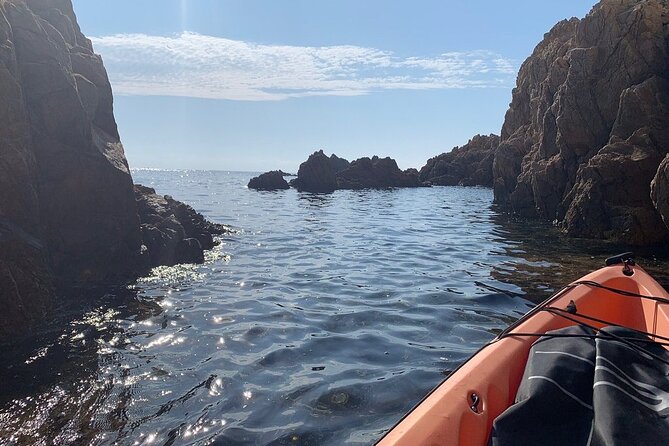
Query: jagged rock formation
{"type": "Point", "coordinates": [376, 173]}
{"type": "Point", "coordinates": [272, 180]}
{"type": "Point", "coordinates": [468, 165]}
{"type": "Point", "coordinates": [323, 174]}
{"type": "Point", "coordinates": [318, 173]}
{"type": "Point", "coordinates": [68, 215]}
{"type": "Point", "coordinates": [173, 232]}
{"type": "Point", "coordinates": [589, 124]}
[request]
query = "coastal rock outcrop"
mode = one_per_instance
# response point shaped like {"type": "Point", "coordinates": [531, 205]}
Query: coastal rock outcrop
{"type": "Point", "coordinates": [376, 173]}
{"type": "Point", "coordinates": [318, 173]}
{"type": "Point", "coordinates": [588, 125]}
{"type": "Point", "coordinates": [68, 216]}
{"type": "Point", "coordinates": [467, 165]}
{"type": "Point", "coordinates": [173, 232]}
{"type": "Point", "coordinates": [323, 174]}
{"type": "Point", "coordinates": [272, 180]}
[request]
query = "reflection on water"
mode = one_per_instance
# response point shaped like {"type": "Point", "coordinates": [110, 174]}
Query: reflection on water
{"type": "Point", "coordinates": [321, 322]}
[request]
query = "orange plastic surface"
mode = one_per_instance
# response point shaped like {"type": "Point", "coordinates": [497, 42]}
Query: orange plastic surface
{"type": "Point", "coordinates": [444, 417]}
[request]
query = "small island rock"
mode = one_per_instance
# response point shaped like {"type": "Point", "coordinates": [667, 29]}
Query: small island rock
{"type": "Point", "coordinates": [323, 174]}
{"type": "Point", "coordinates": [269, 181]}
{"type": "Point", "coordinates": [318, 173]}
{"type": "Point", "coordinates": [376, 173]}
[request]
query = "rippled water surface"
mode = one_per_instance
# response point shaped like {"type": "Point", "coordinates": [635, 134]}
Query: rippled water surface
{"type": "Point", "coordinates": [320, 322]}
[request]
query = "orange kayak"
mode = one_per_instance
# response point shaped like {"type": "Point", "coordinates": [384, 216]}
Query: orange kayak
{"type": "Point", "coordinates": [461, 410]}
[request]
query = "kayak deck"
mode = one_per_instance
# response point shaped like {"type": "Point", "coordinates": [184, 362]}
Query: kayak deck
{"type": "Point", "coordinates": [461, 410]}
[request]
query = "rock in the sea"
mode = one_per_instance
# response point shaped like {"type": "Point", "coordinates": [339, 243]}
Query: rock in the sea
{"type": "Point", "coordinates": [376, 173]}
{"type": "Point", "coordinates": [318, 173]}
{"type": "Point", "coordinates": [468, 165]}
{"type": "Point", "coordinates": [173, 232]}
{"type": "Point", "coordinates": [272, 180]}
{"type": "Point", "coordinates": [588, 125]}
{"type": "Point", "coordinates": [324, 174]}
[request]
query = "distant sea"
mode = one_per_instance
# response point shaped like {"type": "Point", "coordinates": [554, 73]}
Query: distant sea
{"type": "Point", "coordinates": [320, 321]}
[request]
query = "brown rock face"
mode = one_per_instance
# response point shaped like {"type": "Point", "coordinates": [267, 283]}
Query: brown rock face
{"type": "Point", "coordinates": [468, 165]}
{"type": "Point", "coordinates": [67, 208]}
{"type": "Point", "coordinates": [588, 124]}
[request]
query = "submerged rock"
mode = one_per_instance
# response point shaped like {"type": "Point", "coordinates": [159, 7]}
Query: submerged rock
{"type": "Point", "coordinates": [468, 165]}
{"type": "Point", "coordinates": [272, 180]}
{"type": "Point", "coordinates": [589, 125]}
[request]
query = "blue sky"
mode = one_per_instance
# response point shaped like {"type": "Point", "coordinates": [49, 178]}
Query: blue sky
{"type": "Point", "coordinates": [259, 85]}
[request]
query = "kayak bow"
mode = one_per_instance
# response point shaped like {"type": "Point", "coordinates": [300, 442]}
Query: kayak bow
{"type": "Point", "coordinates": [461, 410]}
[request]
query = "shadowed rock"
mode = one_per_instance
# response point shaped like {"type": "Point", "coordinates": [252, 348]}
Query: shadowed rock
{"type": "Point", "coordinates": [468, 165]}
{"type": "Point", "coordinates": [659, 190]}
{"type": "Point", "coordinates": [269, 181]}
{"type": "Point", "coordinates": [64, 180]}
{"type": "Point", "coordinates": [173, 232]}
{"type": "Point", "coordinates": [68, 217]}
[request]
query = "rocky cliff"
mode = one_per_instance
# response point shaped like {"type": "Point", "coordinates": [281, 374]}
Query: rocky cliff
{"type": "Point", "coordinates": [467, 165]}
{"type": "Point", "coordinates": [66, 194]}
{"type": "Point", "coordinates": [588, 125]}
{"type": "Point", "coordinates": [68, 215]}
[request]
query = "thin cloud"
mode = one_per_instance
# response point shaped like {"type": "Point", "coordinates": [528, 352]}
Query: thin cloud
{"type": "Point", "coordinates": [195, 65]}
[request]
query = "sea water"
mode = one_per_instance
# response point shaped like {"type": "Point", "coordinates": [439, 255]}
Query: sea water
{"type": "Point", "coordinates": [320, 320]}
